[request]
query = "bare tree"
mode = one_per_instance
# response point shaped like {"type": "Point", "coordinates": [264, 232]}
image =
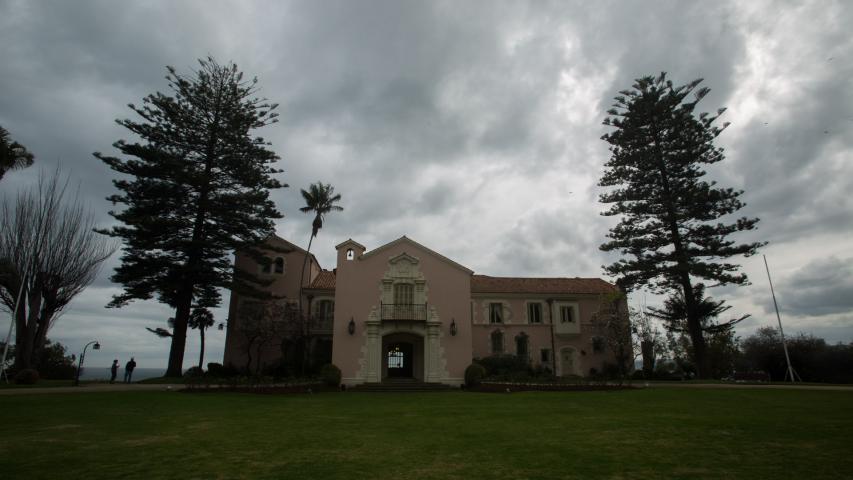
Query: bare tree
{"type": "Point", "coordinates": [49, 253]}
{"type": "Point", "coordinates": [613, 324]}
{"type": "Point", "coordinates": [648, 339]}
{"type": "Point", "coordinates": [265, 324]}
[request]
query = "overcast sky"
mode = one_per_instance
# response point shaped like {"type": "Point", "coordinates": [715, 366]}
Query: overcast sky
{"type": "Point", "coordinates": [472, 127]}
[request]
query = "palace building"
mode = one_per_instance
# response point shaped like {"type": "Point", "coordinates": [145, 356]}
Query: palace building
{"type": "Point", "coordinates": [405, 311]}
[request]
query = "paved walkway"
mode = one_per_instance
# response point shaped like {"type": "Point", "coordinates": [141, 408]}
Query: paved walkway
{"type": "Point", "coordinates": [748, 386]}
{"type": "Point", "coordinates": [92, 388]}
{"type": "Point", "coordinates": [139, 387]}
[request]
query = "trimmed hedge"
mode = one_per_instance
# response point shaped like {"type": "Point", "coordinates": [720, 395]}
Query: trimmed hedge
{"type": "Point", "coordinates": [474, 375]}
{"type": "Point", "coordinates": [331, 375]}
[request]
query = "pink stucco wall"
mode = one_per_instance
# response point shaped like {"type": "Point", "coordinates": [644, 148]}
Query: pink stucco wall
{"type": "Point", "coordinates": [516, 322]}
{"type": "Point", "coordinates": [358, 289]}
{"type": "Point", "coordinates": [286, 284]}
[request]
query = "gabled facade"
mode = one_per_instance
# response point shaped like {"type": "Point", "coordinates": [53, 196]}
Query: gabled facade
{"type": "Point", "coordinates": [403, 310]}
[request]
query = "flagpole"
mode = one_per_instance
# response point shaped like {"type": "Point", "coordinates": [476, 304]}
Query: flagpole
{"type": "Point", "coordinates": [12, 323]}
{"type": "Point", "coordinates": [779, 319]}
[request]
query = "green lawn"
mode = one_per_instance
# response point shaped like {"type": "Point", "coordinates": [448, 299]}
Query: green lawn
{"type": "Point", "coordinates": [663, 433]}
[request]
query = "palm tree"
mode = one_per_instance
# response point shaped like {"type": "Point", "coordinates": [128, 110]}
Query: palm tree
{"type": "Point", "coordinates": [319, 198]}
{"type": "Point", "coordinates": [13, 155]}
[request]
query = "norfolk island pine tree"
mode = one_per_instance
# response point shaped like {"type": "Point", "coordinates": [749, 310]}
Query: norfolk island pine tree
{"type": "Point", "coordinates": [667, 230]}
{"type": "Point", "coordinates": [198, 190]}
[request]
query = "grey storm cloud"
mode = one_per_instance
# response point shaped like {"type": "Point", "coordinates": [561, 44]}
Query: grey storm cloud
{"type": "Point", "coordinates": [821, 287]}
{"type": "Point", "coordinates": [472, 127]}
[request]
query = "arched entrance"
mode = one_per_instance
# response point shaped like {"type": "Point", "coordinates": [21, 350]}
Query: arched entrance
{"type": "Point", "coordinates": [402, 357]}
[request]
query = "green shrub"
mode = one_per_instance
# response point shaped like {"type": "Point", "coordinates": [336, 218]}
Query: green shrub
{"type": "Point", "coordinates": [504, 365]}
{"type": "Point", "coordinates": [27, 376]}
{"type": "Point", "coordinates": [54, 364]}
{"type": "Point", "coordinates": [194, 372]}
{"type": "Point", "coordinates": [215, 370]}
{"type": "Point", "coordinates": [331, 375]}
{"type": "Point", "coordinates": [474, 375]}
{"type": "Point", "coordinates": [280, 370]}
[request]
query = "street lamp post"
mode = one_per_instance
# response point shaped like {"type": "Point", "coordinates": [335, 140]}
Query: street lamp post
{"type": "Point", "coordinates": [97, 346]}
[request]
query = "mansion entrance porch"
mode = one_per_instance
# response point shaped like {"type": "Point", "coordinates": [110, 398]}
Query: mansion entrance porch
{"type": "Point", "coordinates": [402, 357]}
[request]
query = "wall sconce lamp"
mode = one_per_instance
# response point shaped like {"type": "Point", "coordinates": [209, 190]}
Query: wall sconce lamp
{"type": "Point", "coordinates": [453, 327]}
{"type": "Point", "coordinates": [351, 326]}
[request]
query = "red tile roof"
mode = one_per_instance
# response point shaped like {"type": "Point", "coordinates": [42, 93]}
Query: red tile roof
{"type": "Point", "coordinates": [324, 281]}
{"type": "Point", "coordinates": [487, 284]}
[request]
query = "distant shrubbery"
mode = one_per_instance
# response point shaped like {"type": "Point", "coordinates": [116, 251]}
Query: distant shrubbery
{"type": "Point", "coordinates": [27, 376]}
{"type": "Point", "coordinates": [194, 372]}
{"type": "Point", "coordinates": [812, 358]}
{"type": "Point", "coordinates": [53, 362]}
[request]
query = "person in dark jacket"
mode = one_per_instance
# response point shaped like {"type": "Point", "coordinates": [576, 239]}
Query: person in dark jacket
{"type": "Point", "coordinates": [128, 370]}
{"type": "Point", "coordinates": [114, 371]}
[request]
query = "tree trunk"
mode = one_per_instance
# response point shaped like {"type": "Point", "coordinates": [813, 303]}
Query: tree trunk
{"type": "Point", "coordinates": [179, 333]}
{"type": "Point", "coordinates": [648, 351]}
{"type": "Point", "coordinates": [185, 296]}
{"type": "Point", "coordinates": [201, 350]}
{"type": "Point", "coordinates": [24, 345]}
{"type": "Point", "coordinates": [302, 321]}
{"type": "Point", "coordinates": [694, 326]}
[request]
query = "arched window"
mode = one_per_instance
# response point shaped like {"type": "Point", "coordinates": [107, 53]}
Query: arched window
{"type": "Point", "coordinates": [350, 254]}
{"type": "Point", "coordinates": [497, 342]}
{"type": "Point", "coordinates": [522, 345]}
{"type": "Point", "coordinates": [266, 266]}
{"type": "Point", "coordinates": [279, 265]}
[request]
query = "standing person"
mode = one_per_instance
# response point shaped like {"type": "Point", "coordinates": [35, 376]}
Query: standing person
{"type": "Point", "coordinates": [128, 370]}
{"type": "Point", "coordinates": [114, 371]}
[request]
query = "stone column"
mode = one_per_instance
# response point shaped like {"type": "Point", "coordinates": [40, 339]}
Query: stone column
{"type": "Point", "coordinates": [431, 351]}
{"type": "Point", "coordinates": [374, 351]}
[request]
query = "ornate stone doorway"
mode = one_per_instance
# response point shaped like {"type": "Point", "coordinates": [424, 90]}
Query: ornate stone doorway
{"type": "Point", "coordinates": [402, 356]}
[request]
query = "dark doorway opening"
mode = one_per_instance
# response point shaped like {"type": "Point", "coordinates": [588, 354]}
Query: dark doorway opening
{"type": "Point", "coordinates": [399, 360]}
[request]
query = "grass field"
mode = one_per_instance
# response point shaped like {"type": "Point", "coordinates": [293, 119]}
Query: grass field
{"type": "Point", "coordinates": [655, 433]}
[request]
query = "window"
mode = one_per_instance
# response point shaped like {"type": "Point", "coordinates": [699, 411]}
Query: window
{"type": "Point", "coordinates": [350, 254]}
{"type": "Point", "coordinates": [496, 313]}
{"type": "Point", "coordinates": [534, 312]}
{"type": "Point", "coordinates": [545, 355]}
{"type": "Point", "coordinates": [567, 314]}
{"type": "Point", "coordinates": [521, 344]}
{"type": "Point", "coordinates": [404, 294]}
{"type": "Point", "coordinates": [326, 310]}
{"type": "Point", "coordinates": [279, 265]}
{"type": "Point", "coordinates": [497, 342]}
{"type": "Point", "coordinates": [265, 265]}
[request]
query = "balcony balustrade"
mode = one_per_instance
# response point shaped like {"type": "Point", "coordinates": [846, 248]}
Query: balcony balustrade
{"type": "Point", "coordinates": [404, 312]}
